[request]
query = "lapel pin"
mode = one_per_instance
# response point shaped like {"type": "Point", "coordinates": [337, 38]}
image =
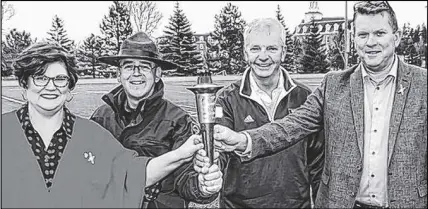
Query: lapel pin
{"type": "Point", "coordinates": [90, 157]}
{"type": "Point", "coordinates": [401, 91]}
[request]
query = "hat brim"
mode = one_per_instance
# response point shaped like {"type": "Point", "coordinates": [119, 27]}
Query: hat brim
{"type": "Point", "coordinates": [114, 60]}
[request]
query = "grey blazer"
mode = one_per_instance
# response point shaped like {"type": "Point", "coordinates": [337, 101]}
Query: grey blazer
{"type": "Point", "coordinates": [338, 107]}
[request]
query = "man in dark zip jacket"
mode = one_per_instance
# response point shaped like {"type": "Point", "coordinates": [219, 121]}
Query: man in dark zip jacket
{"type": "Point", "coordinates": [265, 93]}
{"type": "Point", "coordinates": [142, 120]}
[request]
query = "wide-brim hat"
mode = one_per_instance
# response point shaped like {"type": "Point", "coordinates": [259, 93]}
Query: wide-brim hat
{"type": "Point", "coordinates": [139, 46]}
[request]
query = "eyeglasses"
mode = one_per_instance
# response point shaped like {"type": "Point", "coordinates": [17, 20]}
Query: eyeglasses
{"type": "Point", "coordinates": [58, 81]}
{"type": "Point", "coordinates": [129, 68]}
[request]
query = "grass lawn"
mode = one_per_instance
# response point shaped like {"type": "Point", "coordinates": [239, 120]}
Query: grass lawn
{"type": "Point", "coordinates": [87, 94]}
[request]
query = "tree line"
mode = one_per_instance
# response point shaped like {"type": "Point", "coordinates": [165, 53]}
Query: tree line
{"type": "Point", "coordinates": [224, 46]}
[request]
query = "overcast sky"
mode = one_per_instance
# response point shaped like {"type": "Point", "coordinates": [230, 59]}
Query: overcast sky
{"type": "Point", "coordinates": [82, 18]}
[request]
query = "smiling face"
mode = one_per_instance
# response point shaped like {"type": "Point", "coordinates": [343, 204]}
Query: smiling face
{"type": "Point", "coordinates": [375, 40]}
{"type": "Point", "coordinates": [264, 51]}
{"type": "Point", "coordinates": [48, 99]}
{"type": "Point", "coordinates": [138, 77]}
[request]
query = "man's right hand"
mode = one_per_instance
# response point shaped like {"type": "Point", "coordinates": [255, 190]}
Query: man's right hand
{"type": "Point", "coordinates": [210, 180]}
{"type": "Point", "coordinates": [227, 140]}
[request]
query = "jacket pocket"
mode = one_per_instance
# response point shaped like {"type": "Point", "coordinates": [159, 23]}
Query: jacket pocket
{"type": "Point", "coordinates": [422, 188]}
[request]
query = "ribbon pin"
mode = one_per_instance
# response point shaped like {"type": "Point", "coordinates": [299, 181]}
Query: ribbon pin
{"type": "Point", "coordinates": [90, 157]}
{"type": "Point", "coordinates": [401, 91]}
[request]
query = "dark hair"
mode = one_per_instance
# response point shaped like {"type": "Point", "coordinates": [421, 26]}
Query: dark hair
{"type": "Point", "coordinates": [34, 60]}
{"type": "Point", "coordinates": [376, 7]}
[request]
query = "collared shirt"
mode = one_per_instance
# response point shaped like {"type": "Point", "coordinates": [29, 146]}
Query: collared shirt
{"type": "Point", "coordinates": [264, 99]}
{"type": "Point", "coordinates": [378, 100]}
{"type": "Point", "coordinates": [48, 159]}
{"type": "Point", "coordinates": [269, 103]}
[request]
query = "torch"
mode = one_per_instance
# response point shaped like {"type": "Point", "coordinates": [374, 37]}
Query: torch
{"type": "Point", "coordinates": [205, 92]}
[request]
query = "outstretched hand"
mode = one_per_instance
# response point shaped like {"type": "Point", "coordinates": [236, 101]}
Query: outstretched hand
{"type": "Point", "coordinates": [227, 140]}
{"type": "Point", "coordinates": [186, 151]}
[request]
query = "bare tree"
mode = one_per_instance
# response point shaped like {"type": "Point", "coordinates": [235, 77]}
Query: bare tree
{"type": "Point", "coordinates": [7, 12]}
{"type": "Point", "coordinates": [144, 15]}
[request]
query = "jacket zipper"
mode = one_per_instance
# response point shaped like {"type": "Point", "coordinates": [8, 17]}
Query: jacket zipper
{"type": "Point", "coordinates": [278, 101]}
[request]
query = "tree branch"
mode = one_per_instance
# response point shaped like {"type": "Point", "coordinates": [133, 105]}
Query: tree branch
{"type": "Point", "coordinates": [145, 15]}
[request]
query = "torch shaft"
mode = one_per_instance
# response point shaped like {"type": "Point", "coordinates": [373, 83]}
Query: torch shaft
{"type": "Point", "coordinates": [207, 130]}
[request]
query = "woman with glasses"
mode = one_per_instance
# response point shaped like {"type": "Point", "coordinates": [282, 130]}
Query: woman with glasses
{"type": "Point", "coordinates": [52, 158]}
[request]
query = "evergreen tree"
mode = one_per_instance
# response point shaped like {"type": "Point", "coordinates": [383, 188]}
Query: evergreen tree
{"type": "Point", "coordinates": [337, 53]}
{"type": "Point", "coordinates": [191, 58]}
{"type": "Point", "coordinates": [353, 57]}
{"type": "Point", "coordinates": [178, 45]}
{"type": "Point", "coordinates": [15, 43]}
{"type": "Point", "coordinates": [424, 38]}
{"type": "Point", "coordinates": [314, 55]}
{"type": "Point", "coordinates": [58, 34]}
{"type": "Point", "coordinates": [228, 41]}
{"type": "Point", "coordinates": [88, 55]}
{"type": "Point", "coordinates": [288, 63]}
{"type": "Point", "coordinates": [115, 27]}
{"type": "Point", "coordinates": [169, 48]}
{"type": "Point", "coordinates": [424, 33]}
{"type": "Point", "coordinates": [416, 32]}
{"type": "Point", "coordinates": [400, 50]}
{"type": "Point", "coordinates": [411, 54]}
{"type": "Point", "coordinates": [407, 46]}
{"type": "Point", "coordinates": [297, 53]}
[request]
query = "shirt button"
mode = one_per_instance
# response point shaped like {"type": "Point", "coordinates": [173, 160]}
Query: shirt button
{"type": "Point", "coordinates": [377, 88]}
{"type": "Point", "coordinates": [372, 175]}
{"type": "Point", "coordinates": [359, 168]}
{"type": "Point", "coordinates": [373, 153]}
{"type": "Point", "coordinates": [373, 195]}
{"type": "Point", "coordinates": [375, 130]}
{"type": "Point", "coordinates": [376, 108]}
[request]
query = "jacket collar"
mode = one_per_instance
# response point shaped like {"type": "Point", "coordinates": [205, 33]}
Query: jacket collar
{"type": "Point", "coordinates": [393, 71]}
{"type": "Point", "coordinates": [117, 99]}
{"type": "Point", "coordinates": [403, 81]}
{"type": "Point", "coordinates": [245, 88]}
{"type": "Point", "coordinates": [24, 119]}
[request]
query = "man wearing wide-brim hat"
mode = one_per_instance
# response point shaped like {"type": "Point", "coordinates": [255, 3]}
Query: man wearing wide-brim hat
{"type": "Point", "coordinates": [141, 119]}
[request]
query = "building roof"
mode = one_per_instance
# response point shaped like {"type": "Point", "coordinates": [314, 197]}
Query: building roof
{"type": "Point", "coordinates": [326, 20]}
{"type": "Point", "coordinates": [327, 25]}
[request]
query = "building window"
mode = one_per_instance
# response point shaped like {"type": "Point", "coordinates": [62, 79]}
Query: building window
{"type": "Point", "coordinates": [336, 26]}
{"type": "Point", "coordinates": [327, 27]}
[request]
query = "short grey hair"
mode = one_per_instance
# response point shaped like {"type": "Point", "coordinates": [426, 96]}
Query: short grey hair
{"type": "Point", "coordinates": [264, 25]}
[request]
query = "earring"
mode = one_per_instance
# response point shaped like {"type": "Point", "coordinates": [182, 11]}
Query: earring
{"type": "Point", "coordinates": [70, 96]}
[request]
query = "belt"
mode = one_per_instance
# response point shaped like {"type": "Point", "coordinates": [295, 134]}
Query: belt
{"type": "Point", "coordinates": [362, 205]}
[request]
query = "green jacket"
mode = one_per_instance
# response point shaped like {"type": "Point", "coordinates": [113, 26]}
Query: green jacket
{"type": "Point", "coordinates": [160, 126]}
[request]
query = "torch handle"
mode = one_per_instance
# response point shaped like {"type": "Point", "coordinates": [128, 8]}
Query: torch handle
{"type": "Point", "coordinates": [207, 130]}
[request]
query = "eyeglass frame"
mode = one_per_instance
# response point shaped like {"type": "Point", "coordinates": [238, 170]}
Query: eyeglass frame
{"type": "Point", "coordinates": [53, 80]}
{"type": "Point", "coordinates": [139, 66]}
